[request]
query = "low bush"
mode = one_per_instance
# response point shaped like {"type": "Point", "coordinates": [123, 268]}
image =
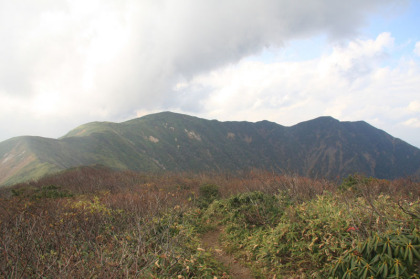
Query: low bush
{"type": "Point", "coordinates": [208, 193]}
{"type": "Point", "coordinates": [392, 254]}
{"type": "Point", "coordinates": [50, 191]}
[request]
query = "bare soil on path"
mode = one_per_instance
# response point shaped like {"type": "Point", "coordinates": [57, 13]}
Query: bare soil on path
{"type": "Point", "coordinates": [210, 241]}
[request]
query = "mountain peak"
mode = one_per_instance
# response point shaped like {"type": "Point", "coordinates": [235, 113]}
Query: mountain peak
{"type": "Point", "coordinates": [322, 119]}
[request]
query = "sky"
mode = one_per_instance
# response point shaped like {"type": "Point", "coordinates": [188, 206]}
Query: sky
{"type": "Point", "coordinates": [64, 63]}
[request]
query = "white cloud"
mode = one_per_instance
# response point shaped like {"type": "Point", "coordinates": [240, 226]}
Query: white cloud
{"type": "Point", "coordinates": [412, 122]}
{"type": "Point", "coordinates": [414, 106]}
{"type": "Point", "coordinates": [417, 49]}
{"type": "Point", "coordinates": [360, 57]}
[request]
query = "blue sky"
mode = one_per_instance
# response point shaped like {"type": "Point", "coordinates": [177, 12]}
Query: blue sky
{"type": "Point", "coordinates": [65, 63]}
{"type": "Point", "coordinates": [404, 23]}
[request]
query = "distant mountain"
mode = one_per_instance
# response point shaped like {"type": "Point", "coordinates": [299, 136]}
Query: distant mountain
{"type": "Point", "coordinates": [323, 147]}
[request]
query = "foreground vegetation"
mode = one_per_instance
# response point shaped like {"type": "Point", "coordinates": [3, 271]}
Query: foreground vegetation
{"type": "Point", "coordinates": [96, 223]}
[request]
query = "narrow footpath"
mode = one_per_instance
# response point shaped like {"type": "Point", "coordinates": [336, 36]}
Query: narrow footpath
{"type": "Point", "coordinates": [211, 243]}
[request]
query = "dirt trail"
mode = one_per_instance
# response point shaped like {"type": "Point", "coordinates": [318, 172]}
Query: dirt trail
{"type": "Point", "coordinates": [211, 242]}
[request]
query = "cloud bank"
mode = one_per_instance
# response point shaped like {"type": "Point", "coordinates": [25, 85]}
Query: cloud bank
{"type": "Point", "coordinates": [70, 62]}
{"type": "Point", "coordinates": [349, 83]}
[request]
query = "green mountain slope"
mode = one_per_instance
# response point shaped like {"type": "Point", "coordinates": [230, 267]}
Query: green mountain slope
{"type": "Point", "coordinates": [323, 147]}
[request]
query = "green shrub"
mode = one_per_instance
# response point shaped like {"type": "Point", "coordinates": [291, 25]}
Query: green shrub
{"type": "Point", "coordinates": [352, 181]}
{"type": "Point", "coordinates": [254, 209]}
{"type": "Point", "coordinates": [22, 192]}
{"type": "Point", "coordinates": [208, 194]}
{"type": "Point", "coordinates": [387, 255]}
{"type": "Point", "coordinates": [51, 192]}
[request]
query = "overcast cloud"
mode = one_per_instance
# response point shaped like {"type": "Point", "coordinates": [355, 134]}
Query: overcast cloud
{"type": "Point", "coordinates": [65, 63]}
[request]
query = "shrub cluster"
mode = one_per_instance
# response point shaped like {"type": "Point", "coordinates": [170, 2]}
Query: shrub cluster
{"type": "Point", "coordinates": [333, 235]}
{"type": "Point", "coordinates": [383, 255]}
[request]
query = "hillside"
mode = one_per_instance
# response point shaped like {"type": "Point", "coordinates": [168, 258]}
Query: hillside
{"type": "Point", "coordinates": [323, 147]}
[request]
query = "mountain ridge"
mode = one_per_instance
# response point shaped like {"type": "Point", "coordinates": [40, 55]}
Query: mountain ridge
{"type": "Point", "coordinates": [321, 147]}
